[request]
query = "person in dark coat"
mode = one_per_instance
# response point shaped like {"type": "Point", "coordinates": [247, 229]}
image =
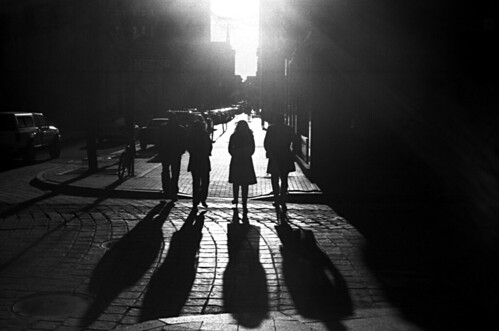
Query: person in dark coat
{"type": "Point", "coordinates": [199, 146]}
{"type": "Point", "coordinates": [241, 171]}
{"type": "Point", "coordinates": [280, 144]}
{"type": "Point", "coordinates": [171, 146]}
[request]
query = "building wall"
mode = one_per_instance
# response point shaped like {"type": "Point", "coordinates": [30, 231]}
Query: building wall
{"type": "Point", "coordinates": [271, 56]}
{"type": "Point", "coordinates": [403, 100]}
{"type": "Point", "coordinates": [370, 79]}
{"type": "Point", "coordinates": [106, 58]}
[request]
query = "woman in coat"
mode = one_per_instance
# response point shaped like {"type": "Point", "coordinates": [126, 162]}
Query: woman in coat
{"type": "Point", "coordinates": [199, 146]}
{"type": "Point", "coordinates": [241, 171]}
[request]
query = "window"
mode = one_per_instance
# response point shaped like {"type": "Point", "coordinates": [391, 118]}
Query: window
{"type": "Point", "coordinates": [40, 121]}
{"type": "Point", "coordinates": [25, 121]}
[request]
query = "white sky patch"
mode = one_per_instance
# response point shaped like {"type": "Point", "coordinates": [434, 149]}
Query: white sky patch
{"type": "Point", "coordinates": [241, 17]}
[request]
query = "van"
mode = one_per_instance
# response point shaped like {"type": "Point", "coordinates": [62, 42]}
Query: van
{"type": "Point", "coordinates": [23, 133]}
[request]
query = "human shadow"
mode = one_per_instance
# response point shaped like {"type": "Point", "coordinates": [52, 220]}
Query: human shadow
{"type": "Point", "coordinates": [429, 264]}
{"type": "Point", "coordinates": [171, 284]}
{"type": "Point", "coordinates": [244, 282]}
{"type": "Point", "coordinates": [127, 261]}
{"type": "Point", "coordinates": [316, 286]}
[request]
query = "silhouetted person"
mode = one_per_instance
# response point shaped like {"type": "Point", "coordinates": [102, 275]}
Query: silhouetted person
{"type": "Point", "coordinates": [199, 146]}
{"type": "Point", "coordinates": [280, 143]}
{"type": "Point", "coordinates": [263, 118]}
{"type": "Point", "coordinates": [241, 171]}
{"type": "Point", "coordinates": [171, 146]}
{"type": "Point", "coordinates": [248, 111]}
{"type": "Point", "coordinates": [210, 127]}
{"type": "Point", "coordinates": [318, 289]}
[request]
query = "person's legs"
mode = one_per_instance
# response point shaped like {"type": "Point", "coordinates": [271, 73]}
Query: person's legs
{"type": "Point", "coordinates": [165, 177]}
{"type": "Point", "coordinates": [235, 193]}
{"type": "Point", "coordinates": [195, 188]}
{"type": "Point", "coordinates": [175, 176]}
{"type": "Point", "coordinates": [205, 183]}
{"type": "Point", "coordinates": [284, 189]}
{"type": "Point", "coordinates": [244, 189]}
{"type": "Point", "coordinates": [274, 179]}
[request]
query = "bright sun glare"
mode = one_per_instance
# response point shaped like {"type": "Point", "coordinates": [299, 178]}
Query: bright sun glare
{"type": "Point", "coordinates": [240, 17]}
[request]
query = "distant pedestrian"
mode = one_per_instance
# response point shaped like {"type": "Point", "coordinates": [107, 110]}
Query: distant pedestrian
{"type": "Point", "coordinates": [171, 146]}
{"type": "Point", "coordinates": [209, 124]}
{"type": "Point", "coordinates": [248, 110]}
{"type": "Point", "coordinates": [263, 118]}
{"type": "Point", "coordinates": [241, 171]}
{"type": "Point", "coordinates": [280, 144]}
{"type": "Point", "coordinates": [199, 146]}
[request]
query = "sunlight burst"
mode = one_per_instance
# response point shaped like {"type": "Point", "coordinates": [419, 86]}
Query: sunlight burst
{"type": "Point", "coordinates": [240, 19]}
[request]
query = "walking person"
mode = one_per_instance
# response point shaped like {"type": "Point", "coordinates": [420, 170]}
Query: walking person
{"type": "Point", "coordinates": [241, 170]}
{"type": "Point", "coordinates": [248, 111]}
{"type": "Point", "coordinates": [263, 118]}
{"type": "Point", "coordinates": [199, 146]}
{"type": "Point", "coordinates": [280, 143]}
{"type": "Point", "coordinates": [171, 146]}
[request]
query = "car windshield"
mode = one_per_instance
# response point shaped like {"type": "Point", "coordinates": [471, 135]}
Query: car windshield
{"type": "Point", "coordinates": [7, 122]}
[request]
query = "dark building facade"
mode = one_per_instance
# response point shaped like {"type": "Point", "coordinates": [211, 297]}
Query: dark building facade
{"type": "Point", "coordinates": [271, 55]}
{"type": "Point", "coordinates": [76, 60]}
{"type": "Point", "coordinates": [396, 104]}
{"type": "Point", "coordinates": [353, 76]}
{"type": "Point", "coordinates": [221, 59]}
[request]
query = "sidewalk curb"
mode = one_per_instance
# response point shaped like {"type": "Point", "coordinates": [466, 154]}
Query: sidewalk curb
{"type": "Point", "coordinates": [41, 182]}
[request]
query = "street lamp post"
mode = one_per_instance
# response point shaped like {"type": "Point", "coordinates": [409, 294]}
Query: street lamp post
{"type": "Point", "coordinates": [93, 75]}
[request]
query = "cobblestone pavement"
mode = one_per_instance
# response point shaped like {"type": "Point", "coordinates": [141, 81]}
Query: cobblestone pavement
{"type": "Point", "coordinates": [141, 263]}
{"type": "Point", "coordinates": [100, 263]}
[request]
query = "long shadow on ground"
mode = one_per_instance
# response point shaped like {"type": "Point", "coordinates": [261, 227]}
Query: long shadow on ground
{"type": "Point", "coordinates": [431, 263]}
{"type": "Point", "coordinates": [316, 286]}
{"type": "Point", "coordinates": [171, 284]}
{"type": "Point", "coordinates": [127, 261]}
{"type": "Point", "coordinates": [244, 283]}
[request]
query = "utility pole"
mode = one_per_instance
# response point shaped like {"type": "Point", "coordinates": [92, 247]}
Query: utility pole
{"type": "Point", "coordinates": [93, 81]}
{"type": "Point", "coordinates": [131, 72]}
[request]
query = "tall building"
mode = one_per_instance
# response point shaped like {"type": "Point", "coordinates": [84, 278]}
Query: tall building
{"type": "Point", "coordinates": [271, 55]}
{"type": "Point", "coordinates": [113, 58]}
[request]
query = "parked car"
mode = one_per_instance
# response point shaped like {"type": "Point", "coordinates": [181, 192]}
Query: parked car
{"type": "Point", "coordinates": [187, 117]}
{"type": "Point", "coordinates": [148, 135]}
{"type": "Point", "coordinates": [23, 133]}
{"type": "Point", "coordinates": [222, 115]}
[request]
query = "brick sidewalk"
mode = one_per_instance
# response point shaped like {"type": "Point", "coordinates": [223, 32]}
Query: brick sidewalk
{"type": "Point", "coordinates": [143, 271]}
{"type": "Point", "coordinates": [142, 279]}
{"type": "Point", "coordinates": [148, 171]}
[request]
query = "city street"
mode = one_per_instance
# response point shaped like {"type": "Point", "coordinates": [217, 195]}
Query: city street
{"type": "Point", "coordinates": [390, 221]}
{"type": "Point", "coordinates": [100, 263]}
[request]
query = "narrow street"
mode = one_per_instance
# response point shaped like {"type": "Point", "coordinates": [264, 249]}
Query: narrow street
{"type": "Point", "coordinates": [99, 263]}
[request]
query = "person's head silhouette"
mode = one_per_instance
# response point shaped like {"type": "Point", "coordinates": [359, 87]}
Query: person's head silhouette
{"type": "Point", "coordinates": [278, 119]}
{"type": "Point", "coordinates": [242, 127]}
